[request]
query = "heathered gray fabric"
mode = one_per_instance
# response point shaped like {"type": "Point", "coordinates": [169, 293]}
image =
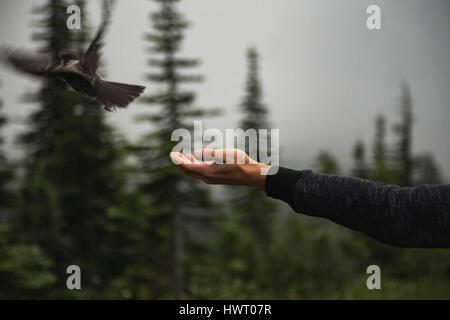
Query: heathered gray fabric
{"type": "Point", "coordinates": [404, 217]}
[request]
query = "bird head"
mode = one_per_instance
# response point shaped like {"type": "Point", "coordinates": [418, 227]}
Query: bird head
{"type": "Point", "coordinates": [66, 57]}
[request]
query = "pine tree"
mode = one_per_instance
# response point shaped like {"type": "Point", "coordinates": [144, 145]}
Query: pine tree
{"type": "Point", "coordinates": [176, 199]}
{"type": "Point", "coordinates": [326, 162]}
{"type": "Point", "coordinates": [360, 167]}
{"type": "Point", "coordinates": [255, 209]}
{"type": "Point", "coordinates": [24, 267]}
{"type": "Point", "coordinates": [6, 176]}
{"type": "Point", "coordinates": [381, 171]}
{"type": "Point", "coordinates": [251, 219]}
{"type": "Point", "coordinates": [403, 151]}
{"type": "Point", "coordinates": [426, 170]}
{"type": "Point", "coordinates": [71, 176]}
{"type": "Point", "coordinates": [255, 111]}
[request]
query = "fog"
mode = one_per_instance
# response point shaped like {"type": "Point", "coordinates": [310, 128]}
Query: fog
{"type": "Point", "coordinates": [325, 75]}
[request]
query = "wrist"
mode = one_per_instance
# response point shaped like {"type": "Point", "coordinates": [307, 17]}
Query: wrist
{"type": "Point", "coordinates": [255, 175]}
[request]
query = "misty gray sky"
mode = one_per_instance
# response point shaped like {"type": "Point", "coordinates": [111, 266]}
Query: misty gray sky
{"type": "Point", "coordinates": [325, 76]}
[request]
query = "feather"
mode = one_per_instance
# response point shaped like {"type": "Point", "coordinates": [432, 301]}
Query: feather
{"type": "Point", "coordinates": [114, 94]}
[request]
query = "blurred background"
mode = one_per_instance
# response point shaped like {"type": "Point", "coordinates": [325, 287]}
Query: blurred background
{"type": "Point", "coordinates": [79, 185]}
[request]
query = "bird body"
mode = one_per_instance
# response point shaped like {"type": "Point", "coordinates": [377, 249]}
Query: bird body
{"type": "Point", "coordinates": [80, 73]}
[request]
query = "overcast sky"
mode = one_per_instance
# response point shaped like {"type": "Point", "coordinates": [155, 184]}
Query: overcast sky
{"type": "Point", "coordinates": [325, 75]}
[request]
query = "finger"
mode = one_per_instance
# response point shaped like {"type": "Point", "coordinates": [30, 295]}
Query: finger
{"type": "Point", "coordinates": [178, 158]}
{"type": "Point", "coordinates": [175, 157]}
{"type": "Point", "coordinates": [204, 154]}
{"type": "Point", "coordinates": [221, 156]}
{"type": "Point", "coordinates": [210, 155]}
{"type": "Point", "coordinates": [191, 158]}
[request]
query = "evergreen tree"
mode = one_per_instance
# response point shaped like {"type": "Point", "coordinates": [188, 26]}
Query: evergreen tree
{"type": "Point", "coordinates": [71, 173]}
{"type": "Point", "coordinates": [381, 171]}
{"type": "Point", "coordinates": [325, 162]}
{"type": "Point", "coordinates": [176, 199]}
{"type": "Point", "coordinates": [360, 168]}
{"type": "Point", "coordinates": [255, 111]}
{"type": "Point", "coordinates": [24, 268]}
{"type": "Point", "coordinates": [250, 203]}
{"type": "Point", "coordinates": [6, 176]}
{"type": "Point", "coordinates": [403, 151]}
{"type": "Point", "coordinates": [247, 231]}
{"type": "Point", "coordinates": [426, 170]}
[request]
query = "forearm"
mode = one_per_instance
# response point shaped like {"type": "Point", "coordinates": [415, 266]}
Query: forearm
{"type": "Point", "coordinates": [406, 217]}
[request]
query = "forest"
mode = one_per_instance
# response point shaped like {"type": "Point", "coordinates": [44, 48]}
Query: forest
{"type": "Point", "coordinates": [83, 194]}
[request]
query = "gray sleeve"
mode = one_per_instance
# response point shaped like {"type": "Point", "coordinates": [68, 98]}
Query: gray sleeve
{"type": "Point", "coordinates": [404, 217]}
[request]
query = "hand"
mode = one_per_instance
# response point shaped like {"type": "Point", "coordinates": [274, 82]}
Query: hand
{"type": "Point", "coordinates": [225, 166]}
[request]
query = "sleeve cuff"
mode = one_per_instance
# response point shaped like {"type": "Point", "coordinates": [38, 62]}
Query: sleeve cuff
{"type": "Point", "coordinates": [282, 184]}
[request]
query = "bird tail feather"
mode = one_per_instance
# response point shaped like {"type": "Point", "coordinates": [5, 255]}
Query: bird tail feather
{"type": "Point", "coordinates": [114, 94]}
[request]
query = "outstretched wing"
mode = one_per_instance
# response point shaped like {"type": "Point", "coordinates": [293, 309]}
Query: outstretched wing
{"type": "Point", "coordinates": [92, 55]}
{"type": "Point", "coordinates": [28, 63]}
{"type": "Point", "coordinates": [71, 72]}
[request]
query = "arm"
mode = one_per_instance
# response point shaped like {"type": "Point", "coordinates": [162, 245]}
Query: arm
{"type": "Point", "coordinates": [405, 217]}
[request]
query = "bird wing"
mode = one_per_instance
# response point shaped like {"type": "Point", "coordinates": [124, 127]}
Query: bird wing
{"type": "Point", "coordinates": [70, 71]}
{"type": "Point", "coordinates": [24, 62]}
{"type": "Point", "coordinates": [39, 65]}
{"type": "Point", "coordinates": [92, 55]}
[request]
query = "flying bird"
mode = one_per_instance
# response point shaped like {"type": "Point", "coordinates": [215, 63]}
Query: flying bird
{"type": "Point", "coordinates": [80, 73]}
